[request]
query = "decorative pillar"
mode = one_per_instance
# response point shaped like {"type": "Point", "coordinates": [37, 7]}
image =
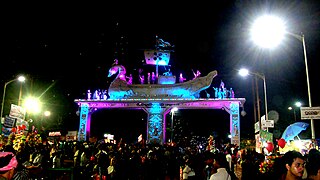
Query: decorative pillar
{"type": "Point", "coordinates": [156, 128]}
{"type": "Point", "coordinates": [85, 121]}
{"type": "Point", "coordinates": [235, 123]}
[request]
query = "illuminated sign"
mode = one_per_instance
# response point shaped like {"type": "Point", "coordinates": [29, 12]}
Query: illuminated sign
{"type": "Point", "coordinates": [55, 133]}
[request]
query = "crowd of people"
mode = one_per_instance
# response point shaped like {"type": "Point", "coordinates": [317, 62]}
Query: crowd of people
{"type": "Point", "coordinates": [31, 157]}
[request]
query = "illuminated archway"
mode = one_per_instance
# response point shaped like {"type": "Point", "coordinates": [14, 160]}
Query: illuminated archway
{"type": "Point", "coordinates": [157, 109]}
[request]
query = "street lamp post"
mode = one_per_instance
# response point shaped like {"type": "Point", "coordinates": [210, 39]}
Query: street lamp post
{"type": "Point", "coordinates": [297, 104]}
{"type": "Point", "coordinates": [46, 114]}
{"type": "Point", "coordinates": [21, 79]}
{"type": "Point", "coordinates": [20, 95]}
{"type": "Point", "coordinates": [301, 38]}
{"type": "Point", "coordinates": [258, 100]}
{"type": "Point", "coordinates": [294, 113]}
{"type": "Point", "coordinates": [268, 31]}
{"type": "Point", "coordinates": [172, 114]}
{"type": "Point", "coordinates": [245, 72]}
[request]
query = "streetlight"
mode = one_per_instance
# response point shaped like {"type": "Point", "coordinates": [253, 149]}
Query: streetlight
{"type": "Point", "coordinates": [173, 110]}
{"type": "Point", "coordinates": [46, 114]}
{"type": "Point", "coordinates": [268, 31]}
{"type": "Point", "coordinates": [245, 72]}
{"type": "Point", "coordinates": [297, 104]}
{"type": "Point", "coordinates": [32, 106]}
{"type": "Point", "coordinates": [21, 79]}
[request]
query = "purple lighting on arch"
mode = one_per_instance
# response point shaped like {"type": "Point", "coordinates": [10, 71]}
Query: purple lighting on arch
{"type": "Point", "coordinates": [209, 103]}
{"type": "Point", "coordinates": [156, 128]}
{"type": "Point", "coordinates": [88, 124]}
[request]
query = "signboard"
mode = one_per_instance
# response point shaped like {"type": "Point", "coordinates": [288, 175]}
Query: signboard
{"type": "Point", "coordinates": [267, 123]}
{"type": "Point", "coordinates": [258, 143]}
{"type": "Point", "coordinates": [9, 122]}
{"type": "Point", "coordinates": [6, 131]}
{"type": "Point", "coordinates": [57, 133]}
{"type": "Point", "coordinates": [266, 136]}
{"type": "Point", "coordinates": [71, 136]}
{"type": "Point", "coordinates": [72, 133]}
{"type": "Point", "coordinates": [256, 127]}
{"type": "Point", "coordinates": [310, 112]}
{"type": "Point", "coordinates": [17, 112]}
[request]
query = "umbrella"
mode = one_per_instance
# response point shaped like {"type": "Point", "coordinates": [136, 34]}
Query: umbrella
{"type": "Point", "coordinates": [293, 130]}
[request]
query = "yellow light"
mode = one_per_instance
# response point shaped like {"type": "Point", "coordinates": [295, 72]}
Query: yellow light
{"type": "Point", "coordinates": [47, 113]}
{"type": "Point", "coordinates": [32, 105]}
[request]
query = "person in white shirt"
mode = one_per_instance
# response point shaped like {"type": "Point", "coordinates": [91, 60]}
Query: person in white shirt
{"type": "Point", "coordinates": [229, 160]}
{"type": "Point", "coordinates": [221, 167]}
{"type": "Point", "coordinates": [188, 172]}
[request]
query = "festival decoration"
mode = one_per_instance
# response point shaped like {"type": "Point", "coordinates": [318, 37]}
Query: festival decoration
{"type": "Point", "coordinates": [211, 144]}
{"type": "Point", "coordinates": [281, 142]}
{"type": "Point", "coordinates": [18, 137]}
{"type": "Point", "coordinates": [270, 146]}
{"type": "Point", "coordinates": [294, 130]}
{"type": "Point", "coordinates": [267, 165]}
{"type": "Point", "coordinates": [23, 126]}
{"type": "Point", "coordinates": [92, 158]}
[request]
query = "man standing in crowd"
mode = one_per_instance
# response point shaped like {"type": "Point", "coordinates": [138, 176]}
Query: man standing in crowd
{"type": "Point", "coordinates": [313, 165]}
{"type": "Point", "coordinates": [294, 163]}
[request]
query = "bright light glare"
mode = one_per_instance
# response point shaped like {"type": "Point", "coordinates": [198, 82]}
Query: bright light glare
{"type": "Point", "coordinates": [174, 109]}
{"type": "Point", "coordinates": [243, 72]}
{"type": "Point", "coordinates": [268, 31]}
{"type": "Point", "coordinates": [32, 105]}
{"type": "Point", "coordinates": [298, 104]}
{"type": "Point", "coordinates": [47, 113]}
{"type": "Point", "coordinates": [21, 78]}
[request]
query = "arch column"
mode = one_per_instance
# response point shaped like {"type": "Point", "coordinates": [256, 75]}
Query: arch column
{"type": "Point", "coordinates": [156, 123]}
{"type": "Point", "coordinates": [85, 122]}
{"type": "Point", "coordinates": [234, 110]}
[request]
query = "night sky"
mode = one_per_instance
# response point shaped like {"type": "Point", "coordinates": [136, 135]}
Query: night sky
{"type": "Point", "coordinates": [66, 50]}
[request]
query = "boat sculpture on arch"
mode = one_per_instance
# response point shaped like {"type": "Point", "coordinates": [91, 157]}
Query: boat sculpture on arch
{"type": "Point", "coordinates": [119, 88]}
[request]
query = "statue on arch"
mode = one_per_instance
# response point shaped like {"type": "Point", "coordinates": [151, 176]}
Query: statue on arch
{"type": "Point", "coordinates": [181, 78]}
{"type": "Point", "coordinates": [117, 69]}
{"type": "Point", "coordinates": [196, 74]}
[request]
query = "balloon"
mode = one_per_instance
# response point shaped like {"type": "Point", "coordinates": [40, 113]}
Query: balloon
{"type": "Point", "coordinates": [270, 146]}
{"type": "Point", "coordinates": [92, 158]}
{"type": "Point", "coordinates": [281, 143]}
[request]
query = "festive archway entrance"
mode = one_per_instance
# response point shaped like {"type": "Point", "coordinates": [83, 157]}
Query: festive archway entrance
{"type": "Point", "coordinates": [157, 109]}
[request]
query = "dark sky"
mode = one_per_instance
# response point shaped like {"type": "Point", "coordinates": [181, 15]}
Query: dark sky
{"type": "Point", "coordinates": [66, 50]}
